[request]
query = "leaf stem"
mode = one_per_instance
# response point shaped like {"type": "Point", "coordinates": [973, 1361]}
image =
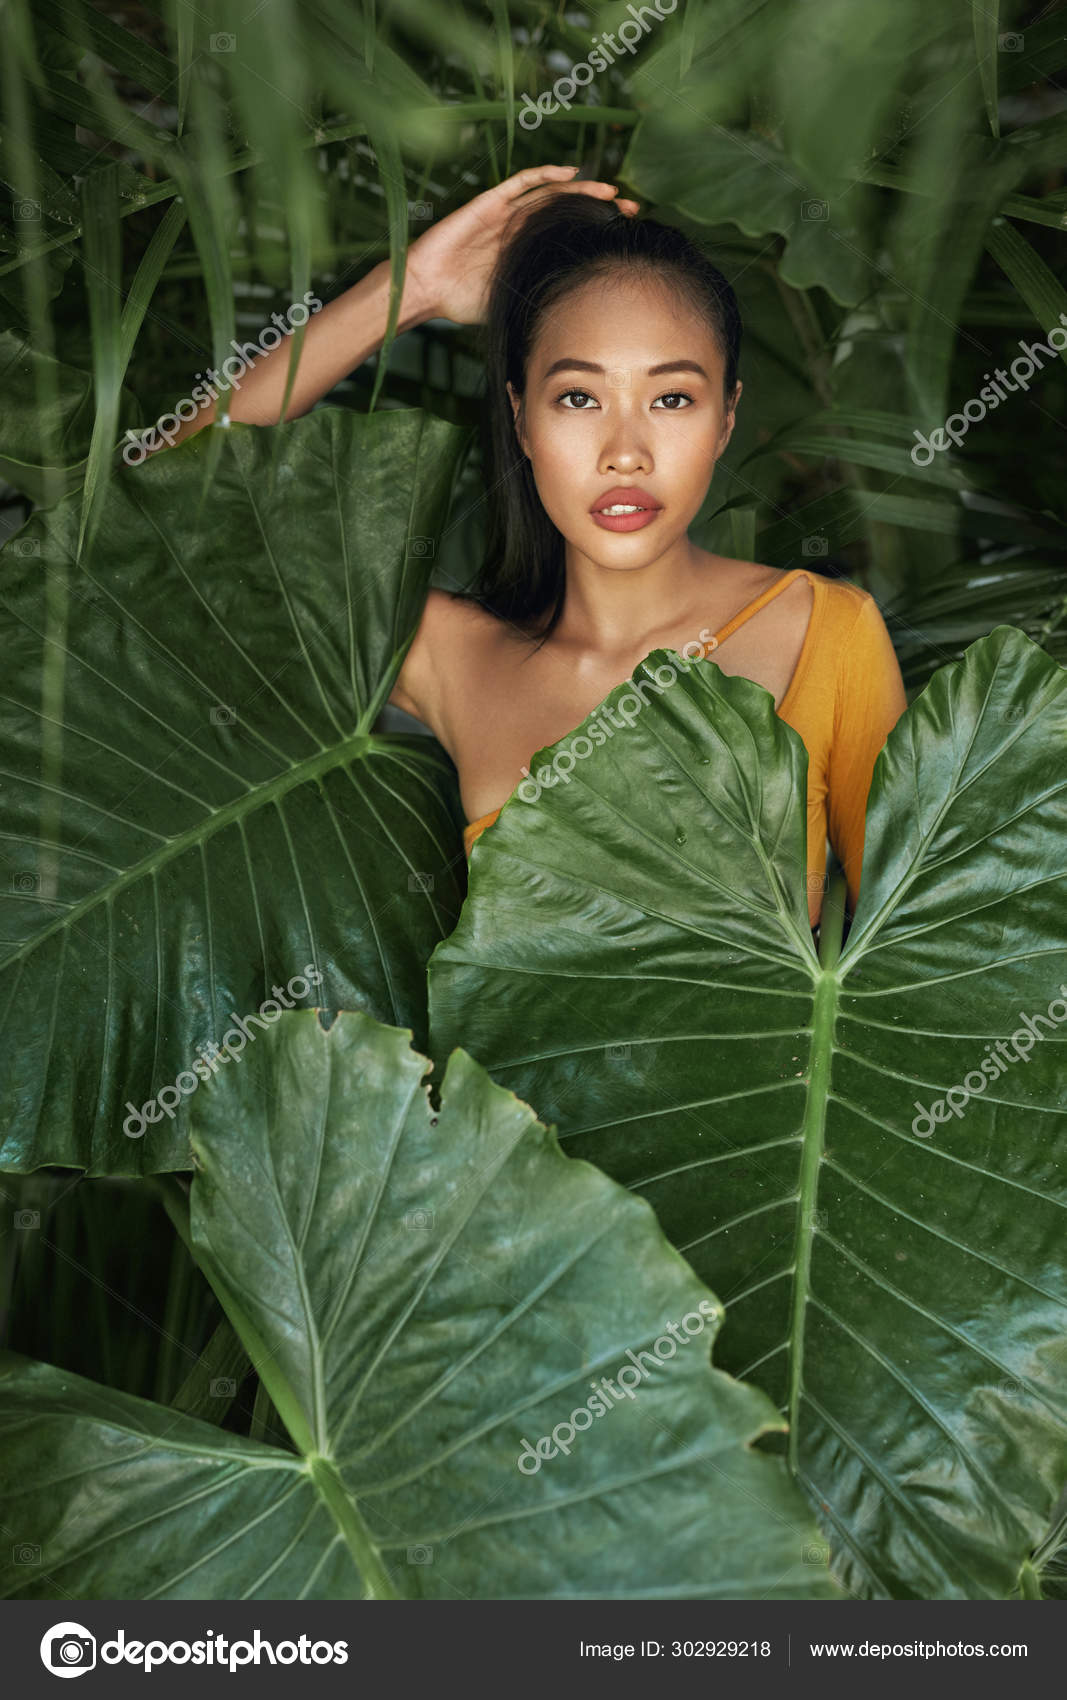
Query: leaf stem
{"type": "Point", "coordinates": [367, 1558]}
{"type": "Point", "coordinates": [813, 1136]}
{"type": "Point", "coordinates": [832, 919]}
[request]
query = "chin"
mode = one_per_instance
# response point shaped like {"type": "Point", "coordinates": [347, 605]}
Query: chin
{"type": "Point", "coordinates": [617, 566]}
{"type": "Point", "coordinates": [626, 550]}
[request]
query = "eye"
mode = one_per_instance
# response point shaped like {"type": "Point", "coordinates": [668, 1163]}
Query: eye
{"type": "Point", "coordinates": [671, 396]}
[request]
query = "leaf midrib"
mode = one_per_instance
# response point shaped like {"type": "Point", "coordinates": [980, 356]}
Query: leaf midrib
{"type": "Point", "coordinates": [813, 1137]}
{"type": "Point", "coordinates": [360, 744]}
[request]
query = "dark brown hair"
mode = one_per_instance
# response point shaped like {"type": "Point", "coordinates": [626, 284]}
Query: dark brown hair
{"type": "Point", "coordinates": [556, 248]}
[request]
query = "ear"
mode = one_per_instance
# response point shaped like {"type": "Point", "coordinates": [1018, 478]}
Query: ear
{"type": "Point", "coordinates": [516, 415]}
{"type": "Point", "coordinates": [730, 418]}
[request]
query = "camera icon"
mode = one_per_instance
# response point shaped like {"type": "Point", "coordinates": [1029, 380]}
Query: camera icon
{"type": "Point", "coordinates": [814, 210]}
{"type": "Point", "coordinates": [223, 1387]}
{"type": "Point", "coordinates": [618, 1053]}
{"type": "Point", "coordinates": [1013, 713]}
{"type": "Point", "coordinates": [817, 1218]}
{"type": "Point", "coordinates": [619, 378]}
{"type": "Point", "coordinates": [420, 882]}
{"type": "Point", "coordinates": [1009, 43]}
{"type": "Point", "coordinates": [27, 1218]}
{"type": "Point", "coordinates": [421, 1219]}
{"type": "Point", "coordinates": [421, 547]}
{"type": "Point", "coordinates": [420, 209]}
{"type": "Point", "coordinates": [420, 1555]}
{"type": "Point", "coordinates": [815, 1553]}
{"type": "Point", "coordinates": [1011, 1387]}
{"type": "Point", "coordinates": [221, 715]}
{"type": "Point", "coordinates": [68, 1649]}
{"type": "Point", "coordinates": [818, 882]}
{"type": "Point", "coordinates": [224, 43]}
{"type": "Point", "coordinates": [27, 212]}
{"type": "Point", "coordinates": [25, 1554]}
{"type": "Point", "coordinates": [27, 548]}
{"type": "Point", "coordinates": [25, 881]}
{"type": "Point", "coordinates": [815, 545]}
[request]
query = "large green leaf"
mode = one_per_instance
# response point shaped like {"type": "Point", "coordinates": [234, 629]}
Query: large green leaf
{"type": "Point", "coordinates": [194, 802]}
{"type": "Point", "coordinates": [421, 1293]}
{"type": "Point", "coordinates": [986, 19]}
{"type": "Point", "coordinates": [25, 433]}
{"type": "Point", "coordinates": [715, 175]}
{"type": "Point", "coordinates": [870, 438]}
{"type": "Point", "coordinates": [935, 244]}
{"type": "Point", "coordinates": [114, 336]}
{"type": "Point", "coordinates": [841, 517]}
{"type": "Point", "coordinates": [634, 957]}
{"type": "Point", "coordinates": [1039, 287]}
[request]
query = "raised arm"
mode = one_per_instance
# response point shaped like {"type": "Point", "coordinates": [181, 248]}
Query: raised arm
{"type": "Point", "coordinates": [447, 276]}
{"type": "Point", "coordinates": [337, 339]}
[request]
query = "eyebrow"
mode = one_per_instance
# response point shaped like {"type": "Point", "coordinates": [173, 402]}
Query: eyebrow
{"type": "Point", "coordinates": [570, 365]}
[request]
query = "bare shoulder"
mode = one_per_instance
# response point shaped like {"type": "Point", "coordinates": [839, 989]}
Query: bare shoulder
{"type": "Point", "coordinates": [452, 636]}
{"type": "Point", "coordinates": [454, 629]}
{"type": "Point", "coordinates": [740, 578]}
{"type": "Point", "coordinates": [757, 578]}
{"type": "Point", "coordinates": [739, 583]}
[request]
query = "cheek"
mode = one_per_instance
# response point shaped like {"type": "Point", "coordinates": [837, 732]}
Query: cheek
{"type": "Point", "coordinates": [556, 462]}
{"type": "Point", "coordinates": [555, 488]}
{"type": "Point", "coordinates": [685, 461]}
{"type": "Point", "coordinates": [695, 452]}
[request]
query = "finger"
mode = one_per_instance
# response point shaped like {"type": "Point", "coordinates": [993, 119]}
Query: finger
{"type": "Point", "coordinates": [590, 186]}
{"type": "Point", "coordinates": [531, 174]}
{"type": "Point", "coordinates": [581, 186]}
{"type": "Point", "coordinates": [602, 192]}
{"type": "Point", "coordinates": [541, 193]}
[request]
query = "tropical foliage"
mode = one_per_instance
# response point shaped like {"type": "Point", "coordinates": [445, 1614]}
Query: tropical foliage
{"type": "Point", "coordinates": [632, 959]}
{"type": "Point", "coordinates": [365, 1250]}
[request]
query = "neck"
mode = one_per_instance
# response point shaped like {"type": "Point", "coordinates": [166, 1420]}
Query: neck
{"type": "Point", "coordinates": [606, 608]}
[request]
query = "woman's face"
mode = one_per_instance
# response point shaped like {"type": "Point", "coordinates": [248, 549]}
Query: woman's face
{"type": "Point", "coordinates": [624, 390]}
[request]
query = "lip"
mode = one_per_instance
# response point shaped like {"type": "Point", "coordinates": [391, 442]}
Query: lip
{"type": "Point", "coordinates": [625, 522]}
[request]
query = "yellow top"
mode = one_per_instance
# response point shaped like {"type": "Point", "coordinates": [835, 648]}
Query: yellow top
{"type": "Point", "coordinates": [844, 698]}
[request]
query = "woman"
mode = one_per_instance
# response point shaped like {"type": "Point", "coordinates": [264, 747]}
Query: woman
{"type": "Point", "coordinates": [612, 392]}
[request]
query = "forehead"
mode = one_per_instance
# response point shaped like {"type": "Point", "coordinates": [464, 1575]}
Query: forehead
{"type": "Point", "coordinates": [624, 321]}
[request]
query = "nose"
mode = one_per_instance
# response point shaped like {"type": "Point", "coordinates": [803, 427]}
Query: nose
{"type": "Point", "coordinates": [628, 465]}
{"type": "Point", "coordinates": [622, 451]}
{"type": "Point", "coordinates": [624, 454]}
